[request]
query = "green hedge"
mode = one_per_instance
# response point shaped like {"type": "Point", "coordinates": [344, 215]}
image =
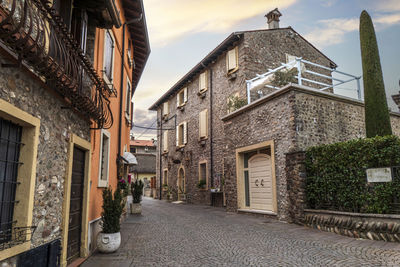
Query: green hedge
{"type": "Point", "coordinates": [336, 175]}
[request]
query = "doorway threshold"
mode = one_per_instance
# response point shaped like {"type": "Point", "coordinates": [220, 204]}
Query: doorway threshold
{"type": "Point", "coordinates": [264, 212]}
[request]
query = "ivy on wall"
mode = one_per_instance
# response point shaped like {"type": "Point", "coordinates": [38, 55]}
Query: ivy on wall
{"type": "Point", "coordinates": [336, 175]}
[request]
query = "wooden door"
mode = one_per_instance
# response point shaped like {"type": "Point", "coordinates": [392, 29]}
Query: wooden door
{"type": "Point", "coordinates": [75, 209]}
{"type": "Point", "coordinates": [260, 180]}
{"type": "Point", "coordinates": [181, 184]}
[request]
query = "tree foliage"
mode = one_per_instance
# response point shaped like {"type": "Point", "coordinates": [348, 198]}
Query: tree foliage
{"type": "Point", "coordinates": [377, 118]}
{"type": "Point", "coordinates": [112, 210]}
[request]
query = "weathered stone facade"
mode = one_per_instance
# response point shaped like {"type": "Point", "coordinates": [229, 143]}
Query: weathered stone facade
{"type": "Point", "coordinates": [294, 118]}
{"type": "Point", "coordinates": [57, 123]}
{"type": "Point", "coordinates": [258, 51]}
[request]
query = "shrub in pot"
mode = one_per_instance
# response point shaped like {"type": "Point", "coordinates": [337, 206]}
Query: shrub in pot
{"type": "Point", "coordinates": [137, 192]}
{"type": "Point", "coordinates": [109, 239]}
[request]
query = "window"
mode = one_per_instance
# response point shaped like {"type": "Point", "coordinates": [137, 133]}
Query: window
{"type": "Point", "coordinates": [108, 61]}
{"type": "Point", "coordinates": [203, 82]}
{"type": "Point", "coordinates": [165, 141]}
{"type": "Point", "coordinates": [17, 181]}
{"type": "Point", "coordinates": [181, 97]}
{"type": "Point", "coordinates": [165, 178]}
{"type": "Point", "coordinates": [128, 100]}
{"type": "Point", "coordinates": [232, 63]}
{"type": "Point", "coordinates": [203, 175]}
{"type": "Point", "coordinates": [165, 109]}
{"type": "Point", "coordinates": [129, 54]}
{"type": "Point", "coordinates": [181, 134]}
{"type": "Point", "coordinates": [203, 124]}
{"type": "Point", "coordinates": [133, 149]}
{"type": "Point", "coordinates": [10, 144]}
{"type": "Point", "coordinates": [104, 158]}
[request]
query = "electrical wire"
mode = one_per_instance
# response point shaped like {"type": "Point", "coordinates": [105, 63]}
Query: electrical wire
{"type": "Point", "coordinates": [146, 128]}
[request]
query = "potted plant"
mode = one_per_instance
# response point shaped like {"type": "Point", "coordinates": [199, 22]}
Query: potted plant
{"type": "Point", "coordinates": [202, 184]}
{"type": "Point", "coordinates": [165, 187]}
{"type": "Point", "coordinates": [109, 239]}
{"type": "Point", "coordinates": [137, 192]}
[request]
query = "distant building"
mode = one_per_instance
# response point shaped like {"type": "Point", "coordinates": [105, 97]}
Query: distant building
{"type": "Point", "coordinates": [143, 146]}
{"type": "Point", "coordinates": [145, 170]}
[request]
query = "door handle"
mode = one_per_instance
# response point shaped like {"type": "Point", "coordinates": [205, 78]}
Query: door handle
{"type": "Point", "coordinates": [262, 182]}
{"type": "Point", "coordinates": [256, 182]}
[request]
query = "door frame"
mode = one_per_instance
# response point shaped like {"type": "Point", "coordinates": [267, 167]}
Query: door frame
{"type": "Point", "coordinates": [76, 141]}
{"type": "Point", "coordinates": [241, 202]}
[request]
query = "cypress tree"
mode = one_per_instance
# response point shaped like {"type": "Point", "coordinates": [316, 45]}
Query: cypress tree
{"type": "Point", "coordinates": [377, 118]}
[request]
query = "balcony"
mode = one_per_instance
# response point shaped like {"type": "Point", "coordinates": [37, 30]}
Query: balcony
{"type": "Point", "coordinates": [36, 35]}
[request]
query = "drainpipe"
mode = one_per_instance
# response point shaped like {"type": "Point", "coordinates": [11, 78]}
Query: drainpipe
{"type": "Point", "coordinates": [160, 154]}
{"type": "Point", "coordinates": [211, 129]}
{"type": "Point", "coordinates": [120, 98]}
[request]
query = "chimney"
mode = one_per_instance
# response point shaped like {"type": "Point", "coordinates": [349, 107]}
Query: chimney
{"type": "Point", "coordinates": [273, 19]}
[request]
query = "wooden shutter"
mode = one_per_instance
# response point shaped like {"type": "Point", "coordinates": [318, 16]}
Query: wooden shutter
{"type": "Point", "coordinates": [184, 133]}
{"type": "Point", "coordinates": [177, 135]}
{"type": "Point", "coordinates": [232, 59]}
{"type": "Point", "coordinates": [185, 95]}
{"type": "Point", "coordinates": [203, 81]}
{"type": "Point", "coordinates": [166, 108]}
{"type": "Point", "coordinates": [177, 99]}
{"type": "Point", "coordinates": [203, 123]}
{"type": "Point", "coordinates": [165, 141]}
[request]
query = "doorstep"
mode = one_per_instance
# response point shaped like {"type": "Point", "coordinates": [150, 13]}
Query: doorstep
{"type": "Point", "coordinates": [77, 262]}
{"type": "Point", "coordinates": [265, 213]}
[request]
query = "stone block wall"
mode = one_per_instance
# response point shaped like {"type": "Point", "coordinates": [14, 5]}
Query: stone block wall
{"type": "Point", "coordinates": [296, 182]}
{"type": "Point", "coordinates": [20, 88]}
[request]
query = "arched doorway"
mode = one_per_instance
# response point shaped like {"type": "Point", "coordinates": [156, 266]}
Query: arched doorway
{"type": "Point", "coordinates": [181, 184]}
{"type": "Point", "coordinates": [260, 181]}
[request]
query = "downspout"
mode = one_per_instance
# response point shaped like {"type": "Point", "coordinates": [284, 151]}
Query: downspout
{"type": "Point", "coordinates": [120, 98]}
{"type": "Point", "coordinates": [160, 155]}
{"type": "Point", "coordinates": [211, 129]}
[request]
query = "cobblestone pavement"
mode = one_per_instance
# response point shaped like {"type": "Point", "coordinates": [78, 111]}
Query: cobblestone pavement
{"type": "Point", "coordinates": [170, 234]}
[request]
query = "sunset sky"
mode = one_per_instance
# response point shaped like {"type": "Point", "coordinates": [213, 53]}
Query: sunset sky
{"type": "Point", "coordinates": [182, 32]}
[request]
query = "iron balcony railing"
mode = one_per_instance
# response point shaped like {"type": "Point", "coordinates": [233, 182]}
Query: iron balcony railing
{"type": "Point", "coordinates": [308, 73]}
{"type": "Point", "coordinates": [35, 32]}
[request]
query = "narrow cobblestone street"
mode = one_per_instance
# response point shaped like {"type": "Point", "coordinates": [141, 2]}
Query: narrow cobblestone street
{"type": "Point", "coordinates": [188, 235]}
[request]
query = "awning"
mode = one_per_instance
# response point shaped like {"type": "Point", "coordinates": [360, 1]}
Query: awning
{"type": "Point", "coordinates": [129, 159]}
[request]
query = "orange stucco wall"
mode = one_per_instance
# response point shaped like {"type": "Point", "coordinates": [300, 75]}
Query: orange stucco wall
{"type": "Point", "coordinates": [95, 191]}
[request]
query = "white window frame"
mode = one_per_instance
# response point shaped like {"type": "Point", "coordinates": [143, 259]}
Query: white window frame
{"type": "Point", "coordinates": [127, 98]}
{"type": "Point", "coordinates": [104, 57]}
{"type": "Point", "coordinates": [178, 97]}
{"type": "Point", "coordinates": [183, 126]}
{"type": "Point", "coordinates": [234, 50]}
{"type": "Point", "coordinates": [104, 182]}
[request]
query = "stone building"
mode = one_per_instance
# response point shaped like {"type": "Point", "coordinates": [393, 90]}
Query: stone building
{"type": "Point", "coordinates": [143, 146]}
{"type": "Point", "coordinates": [192, 138]}
{"type": "Point", "coordinates": [53, 100]}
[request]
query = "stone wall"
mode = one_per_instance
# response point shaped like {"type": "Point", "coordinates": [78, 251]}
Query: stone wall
{"type": "Point", "coordinates": [296, 176]}
{"type": "Point", "coordinates": [23, 90]}
{"type": "Point", "coordinates": [367, 226]}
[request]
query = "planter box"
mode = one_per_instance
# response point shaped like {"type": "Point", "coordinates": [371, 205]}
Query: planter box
{"type": "Point", "coordinates": [384, 227]}
{"type": "Point", "coordinates": [136, 208]}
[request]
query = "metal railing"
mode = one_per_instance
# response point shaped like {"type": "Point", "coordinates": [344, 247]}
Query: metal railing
{"type": "Point", "coordinates": [305, 75]}
{"type": "Point", "coordinates": [34, 31]}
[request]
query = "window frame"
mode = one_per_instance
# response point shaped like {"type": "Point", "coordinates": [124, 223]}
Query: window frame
{"type": "Point", "coordinates": [230, 71]}
{"type": "Point", "coordinates": [165, 109]}
{"type": "Point", "coordinates": [105, 77]}
{"type": "Point", "coordinates": [25, 191]}
{"type": "Point", "coordinates": [165, 141]}
{"type": "Point", "coordinates": [201, 162]}
{"type": "Point", "coordinates": [182, 93]}
{"type": "Point", "coordinates": [128, 99]}
{"type": "Point", "coordinates": [181, 134]}
{"type": "Point", "coordinates": [104, 182]}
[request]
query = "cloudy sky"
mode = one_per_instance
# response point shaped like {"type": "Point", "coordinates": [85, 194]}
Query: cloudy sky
{"type": "Point", "coordinates": [182, 32]}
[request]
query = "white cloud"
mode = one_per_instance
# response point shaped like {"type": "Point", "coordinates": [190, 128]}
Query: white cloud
{"type": "Point", "coordinates": [387, 5]}
{"type": "Point", "coordinates": [171, 20]}
{"type": "Point", "coordinates": [333, 31]}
